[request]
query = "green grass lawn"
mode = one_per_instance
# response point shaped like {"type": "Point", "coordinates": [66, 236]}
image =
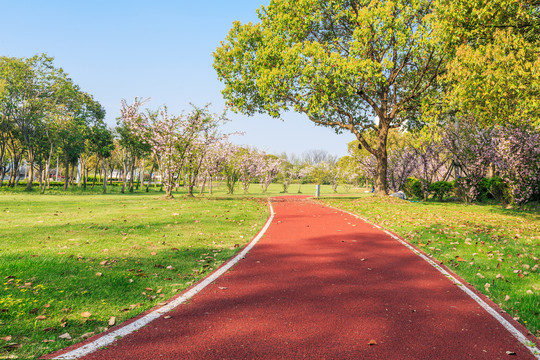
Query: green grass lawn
{"type": "Point", "coordinates": [72, 264]}
{"type": "Point", "coordinates": [496, 250]}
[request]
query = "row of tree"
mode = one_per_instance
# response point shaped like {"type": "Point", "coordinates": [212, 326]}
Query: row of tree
{"type": "Point", "coordinates": [191, 150]}
{"type": "Point", "coordinates": [504, 161]}
{"type": "Point", "coordinates": [43, 115]}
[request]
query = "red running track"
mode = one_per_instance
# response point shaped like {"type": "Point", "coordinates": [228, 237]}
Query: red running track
{"type": "Point", "coordinates": [322, 284]}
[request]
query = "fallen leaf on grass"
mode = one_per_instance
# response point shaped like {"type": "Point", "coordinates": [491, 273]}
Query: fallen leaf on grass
{"type": "Point", "coordinates": [49, 329]}
{"type": "Point", "coordinates": [48, 341]}
{"type": "Point", "coordinates": [99, 274]}
{"type": "Point", "coordinates": [65, 336]}
{"type": "Point", "coordinates": [13, 346]}
{"type": "Point", "coordinates": [47, 305]}
{"type": "Point", "coordinates": [372, 342]}
{"type": "Point", "coordinates": [506, 298]}
{"type": "Point", "coordinates": [86, 314]}
{"type": "Point", "coordinates": [487, 286]}
{"type": "Point", "coordinates": [41, 317]}
{"type": "Point", "coordinates": [104, 262]}
{"type": "Point", "coordinates": [459, 258]}
{"type": "Point", "coordinates": [112, 321]}
{"type": "Point", "coordinates": [7, 338]}
{"type": "Point", "coordinates": [87, 335]}
{"type": "Point", "coordinates": [153, 253]}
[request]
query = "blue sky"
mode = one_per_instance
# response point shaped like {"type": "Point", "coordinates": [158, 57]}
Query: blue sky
{"type": "Point", "coordinates": [161, 49]}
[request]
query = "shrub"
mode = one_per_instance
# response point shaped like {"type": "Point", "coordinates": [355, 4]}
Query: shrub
{"type": "Point", "coordinates": [440, 189]}
{"type": "Point", "coordinates": [413, 188]}
{"type": "Point", "coordinates": [494, 188]}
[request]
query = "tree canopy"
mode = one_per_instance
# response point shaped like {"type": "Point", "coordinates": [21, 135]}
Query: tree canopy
{"type": "Point", "coordinates": [494, 74]}
{"type": "Point", "coordinates": [349, 65]}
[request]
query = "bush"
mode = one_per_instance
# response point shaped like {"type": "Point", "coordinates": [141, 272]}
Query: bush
{"type": "Point", "coordinates": [440, 189]}
{"type": "Point", "coordinates": [494, 188]}
{"type": "Point", "coordinates": [413, 188]}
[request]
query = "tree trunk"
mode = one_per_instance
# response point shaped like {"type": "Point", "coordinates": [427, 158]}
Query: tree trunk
{"type": "Point", "coordinates": [85, 176]}
{"type": "Point", "coordinates": [72, 177]}
{"type": "Point", "coordinates": [80, 173]}
{"type": "Point", "coordinates": [14, 172]}
{"type": "Point", "coordinates": [40, 174]}
{"type": "Point", "coordinates": [124, 176]}
{"type": "Point", "coordinates": [48, 169]}
{"type": "Point", "coordinates": [203, 185]}
{"type": "Point", "coordinates": [131, 175]}
{"type": "Point", "coordinates": [150, 178]}
{"type": "Point", "coordinates": [2, 168]}
{"type": "Point", "coordinates": [381, 155]}
{"type": "Point", "coordinates": [105, 176]}
{"type": "Point", "coordinates": [140, 178]}
{"type": "Point", "coordinates": [66, 174]}
{"type": "Point", "coordinates": [96, 174]}
{"type": "Point", "coordinates": [30, 168]}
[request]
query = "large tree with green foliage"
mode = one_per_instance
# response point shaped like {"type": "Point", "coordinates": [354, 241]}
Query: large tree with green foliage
{"type": "Point", "coordinates": [494, 74]}
{"type": "Point", "coordinates": [23, 99]}
{"type": "Point", "coordinates": [352, 65]}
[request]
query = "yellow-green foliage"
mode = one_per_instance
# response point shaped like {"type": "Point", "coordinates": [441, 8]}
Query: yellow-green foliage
{"type": "Point", "coordinates": [495, 72]}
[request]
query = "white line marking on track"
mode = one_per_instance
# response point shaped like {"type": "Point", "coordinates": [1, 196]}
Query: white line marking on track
{"type": "Point", "coordinates": [507, 325]}
{"type": "Point", "coordinates": [109, 338]}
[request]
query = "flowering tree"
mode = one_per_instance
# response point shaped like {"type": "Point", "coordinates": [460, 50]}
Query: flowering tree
{"type": "Point", "coordinates": [401, 164]}
{"type": "Point", "coordinates": [473, 150]}
{"type": "Point", "coordinates": [431, 158]}
{"type": "Point", "coordinates": [167, 136]}
{"type": "Point", "coordinates": [214, 161]}
{"type": "Point", "coordinates": [250, 165]}
{"type": "Point", "coordinates": [269, 170]}
{"type": "Point", "coordinates": [287, 174]}
{"type": "Point", "coordinates": [231, 165]}
{"type": "Point", "coordinates": [205, 129]}
{"type": "Point", "coordinates": [518, 161]}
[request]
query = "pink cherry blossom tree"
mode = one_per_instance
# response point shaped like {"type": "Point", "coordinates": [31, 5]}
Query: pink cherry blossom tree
{"type": "Point", "coordinates": [168, 136]}
{"type": "Point", "coordinates": [518, 161]}
{"type": "Point", "coordinates": [250, 165]}
{"type": "Point", "coordinates": [205, 127]}
{"type": "Point", "coordinates": [269, 170]}
{"type": "Point", "coordinates": [473, 150]}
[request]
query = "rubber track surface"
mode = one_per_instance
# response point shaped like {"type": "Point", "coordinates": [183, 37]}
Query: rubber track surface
{"type": "Point", "coordinates": [322, 284]}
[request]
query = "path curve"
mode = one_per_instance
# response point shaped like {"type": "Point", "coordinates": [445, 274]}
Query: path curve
{"type": "Point", "coordinates": [324, 284]}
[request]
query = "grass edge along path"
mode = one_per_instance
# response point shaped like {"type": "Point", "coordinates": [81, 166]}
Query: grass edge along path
{"type": "Point", "coordinates": [493, 249]}
{"type": "Point", "coordinates": [80, 265]}
{"type": "Point", "coordinates": [77, 351]}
